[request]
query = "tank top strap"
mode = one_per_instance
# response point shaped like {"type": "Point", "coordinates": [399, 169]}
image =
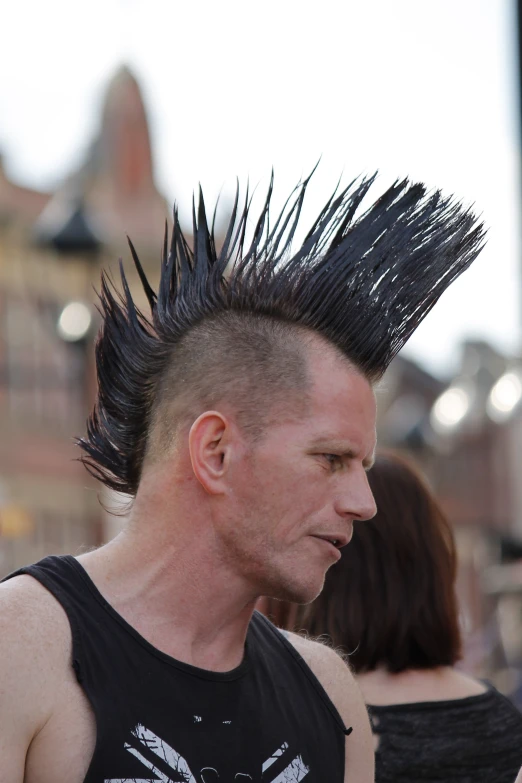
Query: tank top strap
{"type": "Point", "coordinates": [61, 575]}
{"type": "Point", "coordinates": [268, 634]}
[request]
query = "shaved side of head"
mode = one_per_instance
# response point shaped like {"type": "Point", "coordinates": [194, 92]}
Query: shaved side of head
{"type": "Point", "coordinates": [256, 365]}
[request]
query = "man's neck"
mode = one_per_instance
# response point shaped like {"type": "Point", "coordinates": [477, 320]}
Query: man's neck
{"type": "Point", "coordinates": [175, 593]}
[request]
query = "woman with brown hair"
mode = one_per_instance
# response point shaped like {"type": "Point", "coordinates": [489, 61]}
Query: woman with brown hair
{"type": "Point", "coordinates": [390, 605]}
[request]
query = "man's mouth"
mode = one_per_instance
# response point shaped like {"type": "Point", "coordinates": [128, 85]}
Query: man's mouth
{"type": "Point", "coordinates": [334, 541]}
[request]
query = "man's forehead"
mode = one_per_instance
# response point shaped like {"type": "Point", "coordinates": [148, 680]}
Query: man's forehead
{"type": "Point", "coordinates": [342, 405]}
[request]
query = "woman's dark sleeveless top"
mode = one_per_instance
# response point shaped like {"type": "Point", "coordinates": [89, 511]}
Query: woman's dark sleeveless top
{"type": "Point", "coordinates": [472, 740]}
{"type": "Point", "coordinates": [158, 719]}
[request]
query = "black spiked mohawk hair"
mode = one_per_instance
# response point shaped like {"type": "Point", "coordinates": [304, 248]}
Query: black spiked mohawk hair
{"type": "Point", "coordinates": [362, 282]}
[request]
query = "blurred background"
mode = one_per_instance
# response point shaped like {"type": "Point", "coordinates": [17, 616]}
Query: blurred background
{"type": "Point", "coordinates": [111, 112]}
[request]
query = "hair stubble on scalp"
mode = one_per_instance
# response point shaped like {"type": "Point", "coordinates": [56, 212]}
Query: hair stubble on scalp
{"type": "Point", "coordinates": [255, 365]}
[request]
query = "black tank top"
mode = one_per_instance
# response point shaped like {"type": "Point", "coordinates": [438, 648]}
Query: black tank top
{"type": "Point", "coordinates": [158, 719]}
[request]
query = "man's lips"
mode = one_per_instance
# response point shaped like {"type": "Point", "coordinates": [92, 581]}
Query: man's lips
{"type": "Point", "coordinates": [336, 539]}
{"type": "Point", "coordinates": [334, 542]}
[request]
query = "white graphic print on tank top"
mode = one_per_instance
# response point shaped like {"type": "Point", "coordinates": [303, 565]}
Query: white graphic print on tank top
{"type": "Point", "coordinates": [278, 768]}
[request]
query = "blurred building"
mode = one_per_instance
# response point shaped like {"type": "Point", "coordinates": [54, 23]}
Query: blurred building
{"type": "Point", "coordinates": [52, 246]}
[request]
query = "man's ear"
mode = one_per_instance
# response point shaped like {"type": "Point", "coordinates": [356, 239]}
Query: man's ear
{"type": "Point", "coordinates": [209, 447]}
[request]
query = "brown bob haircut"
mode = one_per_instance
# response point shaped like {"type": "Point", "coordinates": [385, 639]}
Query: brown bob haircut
{"type": "Point", "coordinates": [390, 600]}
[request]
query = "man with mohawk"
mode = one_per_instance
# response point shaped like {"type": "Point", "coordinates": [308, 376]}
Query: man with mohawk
{"type": "Point", "coordinates": [240, 416]}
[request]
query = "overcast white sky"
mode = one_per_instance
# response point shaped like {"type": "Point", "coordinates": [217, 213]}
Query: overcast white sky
{"type": "Point", "coordinates": [419, 87]}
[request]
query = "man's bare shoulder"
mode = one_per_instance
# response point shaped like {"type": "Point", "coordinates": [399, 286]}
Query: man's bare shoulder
{"type": "Point", "coordinates": [35, 640]}
{"type": "Point", "coordinates": [30, 614]}
{"type": "Point", "coordinates": [26, 589]}
{"type": "Point", "coordinates": [334, 674]}
{"type": "Point", "coordinates": [329, 666]}
{"type": "Point", "coordinates": [34, 649]}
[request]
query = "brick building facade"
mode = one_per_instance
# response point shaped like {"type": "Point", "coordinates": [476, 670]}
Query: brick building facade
{"type": "Point", "coordinates": [52, 246]}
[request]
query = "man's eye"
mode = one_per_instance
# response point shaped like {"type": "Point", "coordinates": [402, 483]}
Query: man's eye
{"type": "Point", "coordinates": [334, 460]}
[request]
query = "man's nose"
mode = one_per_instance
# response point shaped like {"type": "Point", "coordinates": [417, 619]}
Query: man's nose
{"type": "Point", "coordinates": [357, 500]}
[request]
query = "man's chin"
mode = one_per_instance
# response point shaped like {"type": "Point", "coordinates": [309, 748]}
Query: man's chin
{"type": "Point", "coordinates": [296, 593]}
